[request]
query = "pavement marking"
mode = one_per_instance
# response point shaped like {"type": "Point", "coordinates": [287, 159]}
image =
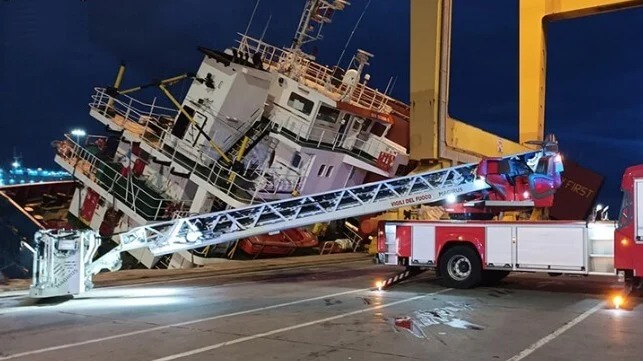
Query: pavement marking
{"type": "Point", "coordinates": [543, 341]}
{"type": "Point", "coordinates": [294, 327]}
{"type": "Point", "coordinates": [185, 323]}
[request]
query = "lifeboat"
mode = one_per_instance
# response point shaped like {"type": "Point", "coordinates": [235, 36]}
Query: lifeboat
{"type": "Point", "coordinates": [283, 243]}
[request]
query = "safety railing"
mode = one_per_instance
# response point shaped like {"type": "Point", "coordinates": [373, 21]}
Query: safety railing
{"type": "Point", "coordinates": [136, 116]}
{"type": "Point", "coordinates": [322, 77]}
{"type": "Point", "coordinates": [153, 132]}
{"type": "Point", "coordinates": [128, 107]}
{"type": "Point", "coordinates": [127, 189]}
{"type": "Point", "coordinates": [367, 150]}
{"type": "Point", "coordinates": [275, 183]}
{"type": "Point", "coordinates": [242, 189]}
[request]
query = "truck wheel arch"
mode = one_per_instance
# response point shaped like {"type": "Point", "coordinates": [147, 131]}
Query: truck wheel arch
{"type": "Point", "coordinates": [461, 249]}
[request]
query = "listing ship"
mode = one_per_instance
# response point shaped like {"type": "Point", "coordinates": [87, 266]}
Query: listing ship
{"type": "Point", "coordinates": [258, 123]}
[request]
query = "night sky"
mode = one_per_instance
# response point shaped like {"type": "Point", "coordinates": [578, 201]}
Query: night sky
{"type": "Point", "coordinates": [55, 52]}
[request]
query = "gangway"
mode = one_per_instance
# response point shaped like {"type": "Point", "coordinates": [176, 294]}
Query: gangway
{"type": "Point", "coordinates": [63, 261]}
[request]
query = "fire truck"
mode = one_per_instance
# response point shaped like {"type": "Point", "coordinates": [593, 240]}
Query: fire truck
{"type": "Point", "coordinates": [467, 254]}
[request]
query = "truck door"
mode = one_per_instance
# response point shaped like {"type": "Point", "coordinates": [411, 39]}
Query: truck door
{"type": "Point", "coordinates": [638, 209]}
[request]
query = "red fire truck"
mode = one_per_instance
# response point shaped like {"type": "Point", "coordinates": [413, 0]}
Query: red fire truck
{"type": "Point", "coordinates": [466, 254]}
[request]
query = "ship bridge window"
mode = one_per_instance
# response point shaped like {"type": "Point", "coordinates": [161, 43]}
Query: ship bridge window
{"type": "Point", "coordinates": [300, 103]}
{"type": "Point", "coordinates": [357, 125]}
{"type": "Point", "coordinates": [325, 170]}
{"type": "Point", "coordinates": [321, 170]}
{"type": "Point", "coordinates": [182, 122]}
{"type": "Point", "coordinates": [296, 160]}
{"type": "Point", "coordinates": [328, 114]}
{"type": "Point", "coordinates": [378, 129]}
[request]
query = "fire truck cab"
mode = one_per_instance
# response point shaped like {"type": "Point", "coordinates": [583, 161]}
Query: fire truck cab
{"type": "Point", "coordinates": [466, 254]}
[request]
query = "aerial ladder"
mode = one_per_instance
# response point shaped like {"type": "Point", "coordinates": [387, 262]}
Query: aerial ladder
{"type": "Point", "coordinates": [64, 261]}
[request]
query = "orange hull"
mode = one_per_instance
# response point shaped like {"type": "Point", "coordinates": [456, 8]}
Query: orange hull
{"type": "Point", "coordinates": [281, 244]}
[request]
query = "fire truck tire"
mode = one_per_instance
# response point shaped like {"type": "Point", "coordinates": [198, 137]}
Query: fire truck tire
{"type": "Point", "coordinates": [460, 267]}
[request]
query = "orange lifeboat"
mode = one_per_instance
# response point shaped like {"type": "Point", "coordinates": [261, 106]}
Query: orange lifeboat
{"type": "Point", "coordinates": [283, 243]}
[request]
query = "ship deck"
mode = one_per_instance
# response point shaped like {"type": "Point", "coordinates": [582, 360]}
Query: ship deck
{"type": "Point", "coordinates": [325, 313]}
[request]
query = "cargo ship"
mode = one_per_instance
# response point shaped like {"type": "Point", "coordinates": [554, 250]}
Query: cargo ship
{"type": "Point", "coordinates": [258, 123]}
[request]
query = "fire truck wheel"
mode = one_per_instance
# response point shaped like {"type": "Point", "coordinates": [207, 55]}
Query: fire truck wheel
{"type": "Point", "coordinates": [460, 267]}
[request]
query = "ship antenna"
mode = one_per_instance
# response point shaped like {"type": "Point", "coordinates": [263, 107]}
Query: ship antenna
{"type": "Point", "coordinates": [265, 29]}
{"type": "Point", "coordinates": [316, 13]}
{"type": "Point", "coordinates": [251, 18]}
{"type": "Point", "coordinates": [353, 32]}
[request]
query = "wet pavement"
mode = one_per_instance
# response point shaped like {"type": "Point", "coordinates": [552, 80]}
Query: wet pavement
{"type": "Point", "coordinates": [325, 313]}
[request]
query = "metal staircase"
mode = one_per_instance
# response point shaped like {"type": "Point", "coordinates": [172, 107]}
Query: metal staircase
{"type": "Point", "coordinates": [224, 226]}
{"type": "Point", "coordinates": [256, 133]}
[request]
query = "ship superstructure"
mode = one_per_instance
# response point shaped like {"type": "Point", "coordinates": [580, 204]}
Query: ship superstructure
{"type": "Point", "coordinates": [258, 123]}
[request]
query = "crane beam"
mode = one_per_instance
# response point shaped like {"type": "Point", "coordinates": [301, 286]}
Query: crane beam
{"type": "Point", "coordinates": [436, 137]}
{"type": "Point", "coordinates": [440, 139]}
{"type": "Point", "coordinates": [533, 17]}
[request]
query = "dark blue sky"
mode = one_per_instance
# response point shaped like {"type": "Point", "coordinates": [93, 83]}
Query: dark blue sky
{"type": "Point", "coordinates": [55, 52]}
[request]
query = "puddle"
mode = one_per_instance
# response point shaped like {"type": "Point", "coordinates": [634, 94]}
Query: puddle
{"type": "Point", "coordinates": [418, 320]}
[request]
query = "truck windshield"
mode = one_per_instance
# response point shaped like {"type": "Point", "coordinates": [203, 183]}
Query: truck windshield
{"type": "Point", "coordinates": [625, 215]}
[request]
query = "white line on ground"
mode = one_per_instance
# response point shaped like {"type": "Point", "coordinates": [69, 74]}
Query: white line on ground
{"type": "Point", "coordinates": [543, 341]}
{"type": "Point", "coordinates": [294, 327]}
{"type": "Point", "coordinates": [185, 323]}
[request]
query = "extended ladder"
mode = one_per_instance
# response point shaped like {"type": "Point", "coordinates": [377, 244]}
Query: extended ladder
{"type": "Point", "coordinates": [224, 226]}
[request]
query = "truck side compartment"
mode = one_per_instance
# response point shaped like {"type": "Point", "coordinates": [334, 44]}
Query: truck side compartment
{"type": "Point", "coordinates": [467, 253]}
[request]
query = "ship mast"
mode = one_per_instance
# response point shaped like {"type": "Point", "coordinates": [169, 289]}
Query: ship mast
{"type": "Point", "coordinates": [316, 13]}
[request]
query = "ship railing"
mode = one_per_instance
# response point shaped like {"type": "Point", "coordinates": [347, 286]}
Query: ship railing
{"type": "Point", "coordinates": [242, 188]}
{"type": "Point", "coordinates": [153, 127]}
{"type": "Point", "coordinates": [154, 133]}
{"type": "Point", "coordinates": [370, 150]}
{"type": "Point", "coordinates": [128, 107]}
{"type": "Point", "coordinates": [152, 120]}
{"type": "Point", "coordinates": [319, 76]}
{"type": "Point", "coordinates": [229, 182]}
{"type": "Point", "coordinates": [124, 188]}
{"type": "Point", "coordinates": [276, 183]}
{"type": "Point", "coordinates": [247, 186]}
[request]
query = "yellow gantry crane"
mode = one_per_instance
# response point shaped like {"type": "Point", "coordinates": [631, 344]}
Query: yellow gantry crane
{"type": "Point", "coordinates": [438, 140]}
